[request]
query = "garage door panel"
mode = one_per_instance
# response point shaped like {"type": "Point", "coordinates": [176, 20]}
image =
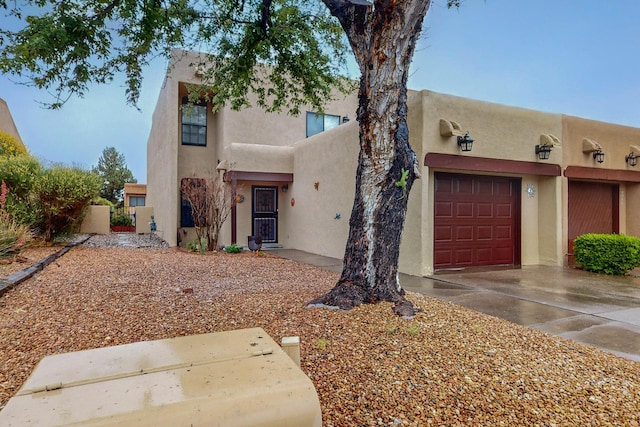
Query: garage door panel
{"type": "Point", "coordinates": [464, 210]}
{"type": "Point", "coordinates": [464, 233]}
{"type": "Point", "coordinates": [504, 210]}
{"type": "Point", "coordinates": [463, 186]}
{"type": "Point", "coordinates": [484, 187]}
{"type": "Point", "coordinates": [504, 189]}
{"type": "Point", "coordinates": [481, 226]}
{"type": "Point", "coordinates": [443, 256]}
{"type": "Point", "coordinates": [464, 257]}
{"type": "Point", "coordinates": [443, 233]}
{"type": "Point", "coordinates": [444, 209]}
{"type": "Point", "coordinates": [485, 232]}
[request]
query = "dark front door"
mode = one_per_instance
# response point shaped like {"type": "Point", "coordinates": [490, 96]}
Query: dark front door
{"type": "Point", "coordinates": [476, 221]}
{"type": "Point", "coordinates": [265, 213]}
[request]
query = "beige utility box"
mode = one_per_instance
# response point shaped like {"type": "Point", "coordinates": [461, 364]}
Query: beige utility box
{"type": "Point", "coordinates": [233, 378]}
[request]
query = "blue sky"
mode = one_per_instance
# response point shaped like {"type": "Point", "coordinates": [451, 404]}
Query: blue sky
{"type": "Point", "coordinates": [577, 57]}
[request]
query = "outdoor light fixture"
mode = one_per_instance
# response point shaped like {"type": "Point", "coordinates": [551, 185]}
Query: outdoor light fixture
{"type": "Point", "coordinates": [598, 156]}
{"type": "Point", "coordinates": [631, 159]}
{"type": "Point", "coordinates": [543, 151]}
{"type": "Point", "coordinates": [285, 187]}
{"type": "Point", "coordinates": [465, 142]}
{"type": "Point", "coordinates": [345, 119]}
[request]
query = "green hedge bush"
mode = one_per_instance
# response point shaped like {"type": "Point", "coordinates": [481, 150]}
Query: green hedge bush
{"type": "Point", "coordinates": [233, 248]}
{"type": "Point", "coordinates": [121, 219]}
{"type": "Point", "coordinates": [614, 254]}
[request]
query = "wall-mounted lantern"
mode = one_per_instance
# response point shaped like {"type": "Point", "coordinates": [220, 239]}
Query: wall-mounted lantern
{"type": "Point", "coordinates": [285, 187]}
{"type": "Point", "coordinates": [345, 119]}
{"type": "Point", "coordinates": [632, 158]}
{"type": "Point", "coordinates": [589, 146]}
{"type": "Point", "coordinates": [465, 142]}
{"type": "Point", "coordinates": [598, 156]}
{"type": "Point", "coordinates": [543, 151]}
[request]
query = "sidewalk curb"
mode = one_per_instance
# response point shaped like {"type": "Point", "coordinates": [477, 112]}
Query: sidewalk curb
{"type": "Point", "coordinates": [22, 275]}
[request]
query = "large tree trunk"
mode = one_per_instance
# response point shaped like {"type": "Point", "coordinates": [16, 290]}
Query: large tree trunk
{"type": "Point", "coordinates": [383, 38]}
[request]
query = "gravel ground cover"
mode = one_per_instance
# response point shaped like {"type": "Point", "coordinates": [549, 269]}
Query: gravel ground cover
{"type": "Point", "coordinates": [26, 258]}
{"type": "Point", "coordinates": [447, 366]}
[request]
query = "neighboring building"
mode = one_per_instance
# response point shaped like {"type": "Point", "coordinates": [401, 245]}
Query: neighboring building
{"type": "Point", "coordinates": [135, 194]}
{"type": "Point", "coordinates": [6, 120]}
{"type": "Point", "coordinates": [499, 204]}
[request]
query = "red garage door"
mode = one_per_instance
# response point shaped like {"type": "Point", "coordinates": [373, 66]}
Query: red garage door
{"type": "Point", "coordinates": [476, 221]}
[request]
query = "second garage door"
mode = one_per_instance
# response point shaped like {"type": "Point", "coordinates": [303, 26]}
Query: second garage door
{"type": "Point", "coordinates": [476, 221]}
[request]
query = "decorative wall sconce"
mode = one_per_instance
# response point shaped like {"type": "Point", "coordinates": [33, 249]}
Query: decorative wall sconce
{"type": "Point", "coordinates": [598, 156]}
{"type": "Point", "coordinates": [316, 185]}
{"type": "Point", "coordinates": [632, 158]}
{"type": "Point", "coordinates": [547, 142]}
{"type": "Point", "coordinates": [345, 119]}
{"type": "Point", "coordinates": [285, 187]}
{"type": "Point", "coordinates": [589, 146]}
{"type": "Point", "coordinates": [465, 142]}
{"type": "Point", "coordinates": [543, 151]}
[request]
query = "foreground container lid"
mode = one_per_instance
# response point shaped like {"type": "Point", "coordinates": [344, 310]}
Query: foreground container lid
{"type": "Point", "coordinates": [232, 378]}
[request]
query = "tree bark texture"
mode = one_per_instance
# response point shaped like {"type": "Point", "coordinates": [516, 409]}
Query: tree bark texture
{"type": "Point", "coordinates": [383, 38]}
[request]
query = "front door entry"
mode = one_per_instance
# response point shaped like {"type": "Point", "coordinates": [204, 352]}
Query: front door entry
{"type": "Point", "coordinates": [264, 213]}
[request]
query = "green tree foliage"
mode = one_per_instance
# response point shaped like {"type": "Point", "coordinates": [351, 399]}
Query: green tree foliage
{"type": "Point", "coordinates": [13, 235]}
{"type": "Point", "coordinates": [20, 173]}
{"type": "Point", "coordinates": [113, 172]}
{"type": "Point", "coordinates": [10, 145]}
{"type": "Point", "coordinates": [286, 52]}
{"type": "Point", "coordinates": [64, 193]}
{"type": "Point", "coordinates": [66, 46]}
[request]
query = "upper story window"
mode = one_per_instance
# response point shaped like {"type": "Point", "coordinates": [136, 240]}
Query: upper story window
{"type": "Point", "coordinates": [194, 123]}
{"type": "Point", "coordinates": [136, 200]}
{"type": "Point", "coordinates": [318, 122]}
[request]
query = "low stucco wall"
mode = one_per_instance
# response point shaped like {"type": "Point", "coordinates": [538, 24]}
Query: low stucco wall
{"type": "Point", "coordinates": [143, 219]}
{"type": "Point", "coordinates": [96, 221]}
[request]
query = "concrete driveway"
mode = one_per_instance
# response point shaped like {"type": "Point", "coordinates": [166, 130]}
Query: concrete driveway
{"type": "Point", "coordinates": [598, 310]}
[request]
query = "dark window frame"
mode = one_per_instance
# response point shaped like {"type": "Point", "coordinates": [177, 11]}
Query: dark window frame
{"type": "Point", "coordinates": [137, 198]}
{"type": "Point", "coordinates": [188, 118]}
{"type": "Point", "coordinates": [323, 116]}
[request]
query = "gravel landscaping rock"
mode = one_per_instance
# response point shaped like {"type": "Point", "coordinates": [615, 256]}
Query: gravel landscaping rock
{"type": "Point", "coordinates": [447, 366]}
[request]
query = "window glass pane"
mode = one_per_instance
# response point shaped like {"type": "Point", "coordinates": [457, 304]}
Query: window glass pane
{"type": "Point", "coordinates": [331, 121]}
{"type": "Point", "coordinates": [315, 124]}
{"type": "Point", "coordinates": [194, 124]}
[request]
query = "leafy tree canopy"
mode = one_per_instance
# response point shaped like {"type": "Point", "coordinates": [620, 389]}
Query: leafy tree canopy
{"type": "Point", "coordinates": [113, 172]}
{"type": "Point", "coordinates": [67, 45]}
{"type": "Point", "coordinates": [10, 145]}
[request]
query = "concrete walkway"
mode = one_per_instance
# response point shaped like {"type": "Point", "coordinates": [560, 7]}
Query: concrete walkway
{"type": "Point", "coordinates": [598, 310]}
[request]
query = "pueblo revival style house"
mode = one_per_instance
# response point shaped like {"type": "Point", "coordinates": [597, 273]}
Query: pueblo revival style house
{"type": "Point", "coordinates": [501, 186]}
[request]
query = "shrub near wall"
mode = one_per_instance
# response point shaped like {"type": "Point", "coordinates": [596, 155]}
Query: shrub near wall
{"type": "Point", "coordinates": [607, 253]}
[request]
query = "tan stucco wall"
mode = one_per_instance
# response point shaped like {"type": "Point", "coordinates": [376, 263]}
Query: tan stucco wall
{"type": "Point", "coordinates": [254, 141]}
{"type": "Point", "coordinates": [330, 159]}
{"type": "Point", "coordinates": [131, 189]}
{"type": "Point", "coordinates": [143, 218]}
{"type": "Point", "coordinates": [96, 220]}
{"type": "Point", "coordinates": [259, 158]}
{"type": "Point", "coordinates": [632, 209]}
{"type": "Point", "coordinates": [6, 120]}
{"type": "Point", "coordinates": [499, 132]}
{"type": "Point", "coordinates": [238, 132]}
{"type": "Point", "coordinates": [616, 141]}
{"type": "Point", "coordinates": [162, 163]}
